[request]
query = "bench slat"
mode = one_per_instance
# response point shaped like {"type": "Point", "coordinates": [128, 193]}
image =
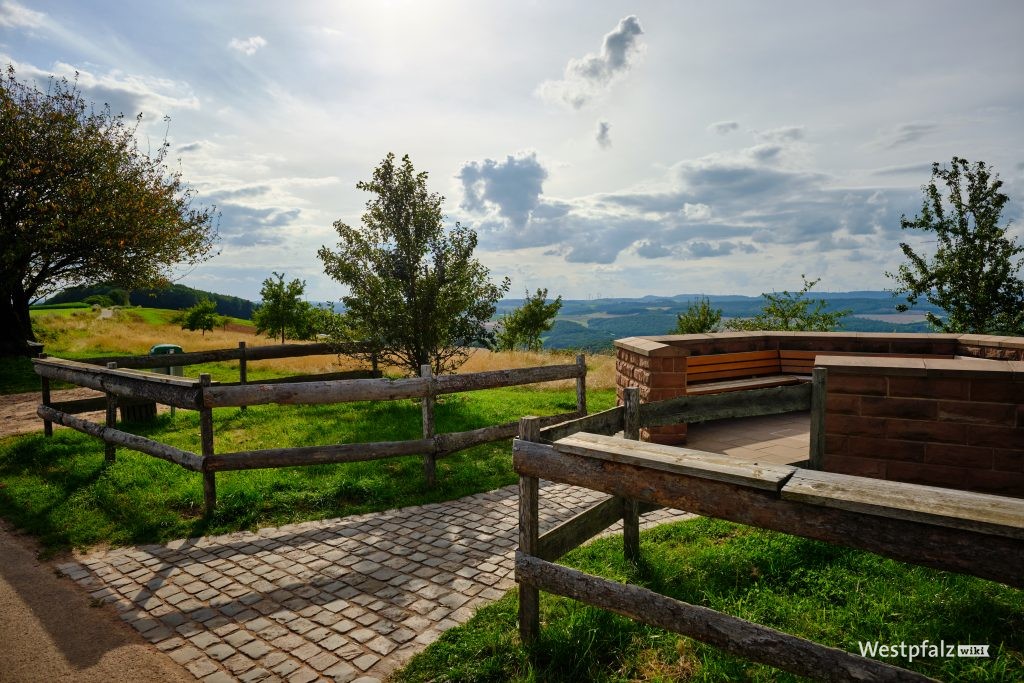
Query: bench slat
{"type": "Point", "coordinates": [999, 515]}
{"type": "Point", "coordinates": [766, 476]}
{"type": "Point", "coordinates": [716, 358]}
{"type": "Point", "coordinates": [749, 383]}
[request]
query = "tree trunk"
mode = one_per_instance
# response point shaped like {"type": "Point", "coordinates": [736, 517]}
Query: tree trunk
{"type": "Point", "coordinates": [15, 324]}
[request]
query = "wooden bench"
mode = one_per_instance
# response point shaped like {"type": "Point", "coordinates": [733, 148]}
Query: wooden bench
{"type": "Point", "coordinates": [718, 373]}
{"type": "Point", "coordinates": [721, 372]}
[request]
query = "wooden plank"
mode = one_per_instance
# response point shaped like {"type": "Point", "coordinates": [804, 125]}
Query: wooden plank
{"type": "Point", "coordinates": [45, 400]}
{"type": "Point", "coordinates": [427, 412]}
{"type": "Point", "coordinates": [581, 385]}
{"type": "Point", "coordinates": [819, 388]}
{"type": "Point", "coordinates": [605, 422]}
{"type": "Point", "coordinates": [456, 441]}
{"type": "Point", "coordinates": [123, 383]}
{"type": "Point", "coordinates": [529, 533]}
{"type": "Point", "coordinates": [333, 391]}
{"type": "Point", "coordinates": [742, 384]}
{"type": "Point", "coordinates": [728, 371]}
{"type": "Point", "coordinates": [189, 461]}
{"type": "Point", "coordinates": [206, 440]}
{"type": "Point", "coordinates": [1000, 515]}
{"type": "Point", "coordinates": [493, 379]}
{"type": "Point", "coordinates": [731, 634]}
{"type": "Point", "coordinates": [700, 408]}
{"type": "Point", "coordinates": [315, 455]}
{"type": "Point", "coordinates": [715, 358]}
{"type": "Point", "coordinates": [251, 353]}
{"type": "Point", "coordinates": [322, 377]}
{"type": "Point", "coordinates": [692, 463]}
{"type": "Point", "coordinates": [574, 532]}
{"type": "Point", "coordinates": [928, 545]}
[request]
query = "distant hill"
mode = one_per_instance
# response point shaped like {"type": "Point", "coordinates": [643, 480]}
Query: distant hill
{"type": "Point", "coordinates": [592, 324]}
{"type": "Point", "coordinates": [174, 297]}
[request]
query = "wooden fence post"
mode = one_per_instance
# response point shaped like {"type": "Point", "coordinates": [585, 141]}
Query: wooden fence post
{"type": "Point", "coordinates": [47, 424]}
{"type": "Point", "coordinates": [110, 450]}
{"type": "Point", "coordinates": [581, 385]}
{"type": "Point", "coordinates": [630, 508]}
{"type": "Point", "coordinates": [819, 380]}
{"type": "Point", "coordinates": [206, 437]}
{"type": "Point", "coordinates": [429, 459]}
{"type": "Point", "coordinates": [529, 532]}
{"type": "Point", "coordinates": [373, 362]}
{"type": "Point", "coordinates": [243, 373]}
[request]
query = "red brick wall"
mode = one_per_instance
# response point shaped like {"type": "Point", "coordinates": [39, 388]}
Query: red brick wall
{"type": "Point", "coordinates": [932, 424]}
{"type": "Point", "coordinates": [658, 378]}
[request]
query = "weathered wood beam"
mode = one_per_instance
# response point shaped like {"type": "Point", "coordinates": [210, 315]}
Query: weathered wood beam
{"type": "Point", "coordinates": [315, 455]}
{"type": "Point", "coordinates": [929, 545]}
{"type": "Point", "coordinates": [819, 379]}
{"type": "Point", "coordinates": [172, 391]}
{"type": "Point", "coordinates": [251, 353]}
{"type": "Point", "coordinates": [728, 405]}
{"type": "Point", "coordinates": [574, 532]}
{"type": "Point", "coordinates": [605, 422]}
{"type": "Point", "coordinates": [456, 441]}
{"type": "Point", "coordinates": [529, 532]}
{"type": "Point", "coordinates": [731, 634]}
{"type": "Point", "coordinates": [141, 444]}
{"type": "Point", "coordinates": [494, 379]}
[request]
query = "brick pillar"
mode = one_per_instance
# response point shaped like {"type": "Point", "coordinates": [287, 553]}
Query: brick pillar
{"type": "Point", "coordinates": [659, 371]}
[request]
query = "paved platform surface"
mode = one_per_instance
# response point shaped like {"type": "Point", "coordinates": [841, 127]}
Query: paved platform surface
{"type": "Point", "coordinates": [336, 600]}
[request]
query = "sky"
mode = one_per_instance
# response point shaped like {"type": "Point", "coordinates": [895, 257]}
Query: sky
{"type": "Point", "coordinates": [598, 148]}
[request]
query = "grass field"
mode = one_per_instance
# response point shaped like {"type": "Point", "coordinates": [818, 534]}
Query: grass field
{"type": "Point", "coordinates": [827, 594]}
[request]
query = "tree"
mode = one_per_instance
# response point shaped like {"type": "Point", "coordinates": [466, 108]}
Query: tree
{"type": "Point", "coordinates": [973, 274]}
{"type": "Point", "coordinates": [80, 203]}
{"type": "Point", "coordinates": [283, 309]}
{"type": "Point", "coordinates": [522, 328]}
{"type": "Point", "coordinates": [699, 318]}
{"type": "Point", "coordinates": [416, 292]}
{"type": "Point", "coordinates": [203, 316]}
{"type": "Point", "coordinates": [792, 311]}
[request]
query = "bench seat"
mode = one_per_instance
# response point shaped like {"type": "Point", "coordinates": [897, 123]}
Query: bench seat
{"type": "Point", "coordinates": [764, 382]}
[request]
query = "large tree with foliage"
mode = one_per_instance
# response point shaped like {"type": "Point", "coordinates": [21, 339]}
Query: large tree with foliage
{"type": "Point", "coordinates": [793, 312]}
{"type": "Point", "coordinates": [973, 275]}
{"type": "Point", "coordinates": [81, 203]}
{"type": "Point", "coordinates": [203, 316]}
{"type": "Point", "coordinates": [283, 309]}
{"type": "Point", "coordinates": [522, 328]}
{"type": "Point", "coordinates": [416, 292]}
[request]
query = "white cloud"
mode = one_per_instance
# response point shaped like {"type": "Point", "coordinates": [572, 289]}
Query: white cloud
{"type": "Point", "coordinates": [13, 15]}
{"type": "Point", "coordinates": [907, 133]}
{"type": "Point", "coordinates": [591, 76]}
{"type": "Point", "coordinates": [248, 46]}
{"type": "Point", "coordinates": [724, 127]}
{"type": "Point", "coordinates": [512, 187]}
{"type": "Point", "coordinates": [603, 134]}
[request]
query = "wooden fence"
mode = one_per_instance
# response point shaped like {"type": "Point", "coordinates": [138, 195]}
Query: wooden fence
{"type": "Point", "coordinates": [131, 385]}
{"type": "Point", "coordinates": [977, 534]}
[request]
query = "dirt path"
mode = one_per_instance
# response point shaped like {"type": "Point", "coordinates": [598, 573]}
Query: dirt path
{"type": "Point", "coordinates": [48, 629]}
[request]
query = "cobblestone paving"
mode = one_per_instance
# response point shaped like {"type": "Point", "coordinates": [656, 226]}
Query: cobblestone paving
{"type": "Point", "coordinates": [336, 600]}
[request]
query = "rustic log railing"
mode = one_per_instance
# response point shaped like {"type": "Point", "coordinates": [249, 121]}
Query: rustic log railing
{"type": "Point", "coordinates": [123, 386]}
{"type": "Point", "coordinates": [976, 534]}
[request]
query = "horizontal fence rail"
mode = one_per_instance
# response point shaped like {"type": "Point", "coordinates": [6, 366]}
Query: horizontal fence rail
{"type": "Point", "coordinates": [243, 352]}
{"type": "Point", "coordinates": [126, 386]}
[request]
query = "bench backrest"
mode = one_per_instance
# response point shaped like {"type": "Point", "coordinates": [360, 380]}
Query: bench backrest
{"type": "Point", "coordinates": [719, 366]}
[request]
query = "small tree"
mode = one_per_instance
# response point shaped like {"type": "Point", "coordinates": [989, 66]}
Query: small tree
{"type": "Point", "coordinates": [80, 203]}
{"type": "Point", "coordinates": [699, 318]}
{"type": "Point", "coordinates": [973, 274]}
{"type": "Point", "coordinates": [416, 292]}
{"type": "Point", "coordinates": [282, 309]}
{"type": "Point", "coordinates": [792, 311]}
{"type": "Point", "coordinates": [522, 328]}
{"type": "Point", "coordinates": [203, 316]}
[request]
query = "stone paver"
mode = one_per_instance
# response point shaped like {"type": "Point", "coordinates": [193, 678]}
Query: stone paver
{"type": "Point", "coordinates": [354, 598]}
{"type": "Point", "coordinates": [328, 600]}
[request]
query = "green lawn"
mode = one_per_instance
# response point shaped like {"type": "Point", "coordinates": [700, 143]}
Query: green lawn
{"type": "Point", "coordinates": [827, 594]}
{"type": "Point", "coordinates": [60, 489]}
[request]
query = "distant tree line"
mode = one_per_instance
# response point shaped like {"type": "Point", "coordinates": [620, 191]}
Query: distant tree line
{"type": "Point", "coordinates": [173, 297]}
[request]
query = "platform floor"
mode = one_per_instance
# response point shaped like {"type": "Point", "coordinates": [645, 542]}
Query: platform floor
{"type": "Point", "coordinates": [781, 439]}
